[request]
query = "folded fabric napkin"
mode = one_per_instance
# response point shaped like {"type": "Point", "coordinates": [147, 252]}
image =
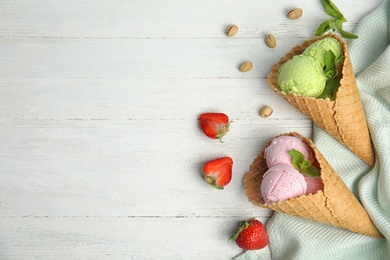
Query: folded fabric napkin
{"type": "Point", "coordinates": [292, 237]}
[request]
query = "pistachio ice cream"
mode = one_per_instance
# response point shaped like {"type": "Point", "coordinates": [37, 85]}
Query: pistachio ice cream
{"type": "Point", "coordinates": [302, 75]}
{"type": "Point", "coordinates": [318, 49]}
{"type": "Point", "coordinates": [314, 73]}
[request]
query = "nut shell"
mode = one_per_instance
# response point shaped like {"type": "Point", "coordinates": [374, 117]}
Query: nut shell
{"type": "Point", "coordinates": [246, 66]}
{"type": "Point", "coordinates": [232, 30]}
{"type": "Point", "coordinates": [295, 13]}
{"type": "Point", "coordinates": [266, 111]}
{"type": "Point", "coordinates": [270, 40]}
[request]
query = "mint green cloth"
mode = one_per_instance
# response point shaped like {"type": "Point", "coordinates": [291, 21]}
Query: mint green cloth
{"type": "Point", "coordinates": [248, 255]}
{"type": "Point", "coordinates": [292, 237]}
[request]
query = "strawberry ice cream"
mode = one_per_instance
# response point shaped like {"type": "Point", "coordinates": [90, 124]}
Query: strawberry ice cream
{"type": "Point", "coordinates": [278, 151]}
{"type": "Point", "coordinates": [289, 175]}
{"type": "Point", "coordinates": [313, 184]}
{"type": "Point", "coordinates": [282, 182]}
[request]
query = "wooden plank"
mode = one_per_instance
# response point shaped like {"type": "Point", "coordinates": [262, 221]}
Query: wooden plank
{"type": "Point", "coordinates": [96, 19]}
{"type": "Point", "coordinates": [101, 152]}
{"type": "Point", "coordinates": [120, 238]}
{"type": "Point", "coordinates": [124, 168]}
{"type": "Point", "coordinates": [130, 99]}
{"type": "Point", "coordinates": [117, 58]}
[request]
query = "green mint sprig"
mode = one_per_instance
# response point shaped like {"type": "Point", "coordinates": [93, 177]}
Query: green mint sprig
{"type": "Point", "coordinates": [330, 65]}
{"type": "Point", "coordinates": [331, 72]}
{"type": "Point", "coordinates": [345, 34]}
{"type": "Point", "coordinates": [332, 84]}
{"type": "Point", "coordinates": [332, 10]}
{"type": "Point", "coordinates": [335, 23]}
{"type": "Point", "coordinates": [302, 165]}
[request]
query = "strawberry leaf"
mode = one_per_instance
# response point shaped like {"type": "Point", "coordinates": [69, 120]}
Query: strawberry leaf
{"type": "Point", "coordinates": [302, 165]}
{"type": "Point", "coordinates": [244, 225]}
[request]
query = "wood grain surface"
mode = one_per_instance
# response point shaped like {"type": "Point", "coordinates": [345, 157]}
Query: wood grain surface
{"type": "Point", "coordinates": [101, 152]}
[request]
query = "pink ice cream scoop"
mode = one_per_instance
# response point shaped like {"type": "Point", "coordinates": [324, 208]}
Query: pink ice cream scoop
{"type": "Point", "coordinates": [313, 184]}
{"type": "Point", "coordinates": [282, 182]}
{"type": "Point", "coordinates": [278, 151]}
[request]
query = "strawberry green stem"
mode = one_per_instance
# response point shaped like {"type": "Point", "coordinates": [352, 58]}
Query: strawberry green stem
{"type": "Point", "coordinates": [243, 226]}
{"type": "Point", "coordinates": [212, 181]}
{"type": "Point", "coordinates": [223, 131]}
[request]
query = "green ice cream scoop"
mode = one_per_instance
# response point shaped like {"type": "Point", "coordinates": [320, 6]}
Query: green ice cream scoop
{"type": "Point", "coordinates": [318, 49]}
{"type": "Point", "coordinates": [302, 75]}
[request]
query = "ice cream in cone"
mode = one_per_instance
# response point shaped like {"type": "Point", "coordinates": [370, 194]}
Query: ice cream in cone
{"type": "Point", "coordinates": [343, 118]}
{"type": "Point", "coordinates": [335, 204]}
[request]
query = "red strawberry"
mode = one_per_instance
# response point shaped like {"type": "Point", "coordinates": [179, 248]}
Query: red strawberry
{"type": "Point", "coordinates": [214, 125]}
{"type": "Point", "coordinates": [251, 235]}
{"type": "Point", "coordinates": [218, 172]}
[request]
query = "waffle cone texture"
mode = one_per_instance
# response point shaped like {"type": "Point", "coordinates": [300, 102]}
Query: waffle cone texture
{"type": "Point", "coordinates": [342, 118]}
{"type": "Point", "coordinates": [335, 205]}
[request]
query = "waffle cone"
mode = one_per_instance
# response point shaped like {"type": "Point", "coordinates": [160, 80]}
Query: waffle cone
{"type": "Point", "coordinates": [342, 118]}
{"type": "Point", "coordinates": [334, 205]}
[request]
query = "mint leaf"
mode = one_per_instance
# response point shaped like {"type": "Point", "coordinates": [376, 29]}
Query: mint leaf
{"type": "Point", "coordinates": [332, 10]}
{"type": "Point", "coordinates": [313, 172]}
{"type": "Point", "coordinates": [305, 164]}
{"type": "Point", "coordinates": [331, 72]}
{"type": "Point", "coordinates": [339, 60]}
{"type": "Point", "coordinates": [297, 158]}
{"type": "Point", "coordinates": [302, 165]}
{"type": "Point", "coordinates": [332, 84]}
{"type": "Point", "coordinates": [339, 23]}
{"type": "Point", "coordinates": [348, 35]}
{"type": "Point", "coordinates": [345, 34]}
{"type": "Point", "coordinates": [324, 27]}
{"type": "Point", "coordinates": [330, 69]}
{"type": "Point", "coordinates": [333, 24]}
{"type": "Point", "coordinates": [295, 164]}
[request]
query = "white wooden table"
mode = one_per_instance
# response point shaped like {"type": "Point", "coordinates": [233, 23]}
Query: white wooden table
{"type": "Point", "coordinates": [101, 152]}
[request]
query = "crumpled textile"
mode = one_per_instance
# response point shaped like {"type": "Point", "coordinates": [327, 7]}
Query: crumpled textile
{"type": "Point", "coordinates": [293, 237]}
{"type": "Point", "coordinates": [248, 255]}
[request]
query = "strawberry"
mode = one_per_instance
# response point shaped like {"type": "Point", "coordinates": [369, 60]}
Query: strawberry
{"type": "Point", "coordinates": [251, 235]}
{"type": "Point", "coordinates": [218, 172]}
{"type": "Point", "coordinates": [214, 125]}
